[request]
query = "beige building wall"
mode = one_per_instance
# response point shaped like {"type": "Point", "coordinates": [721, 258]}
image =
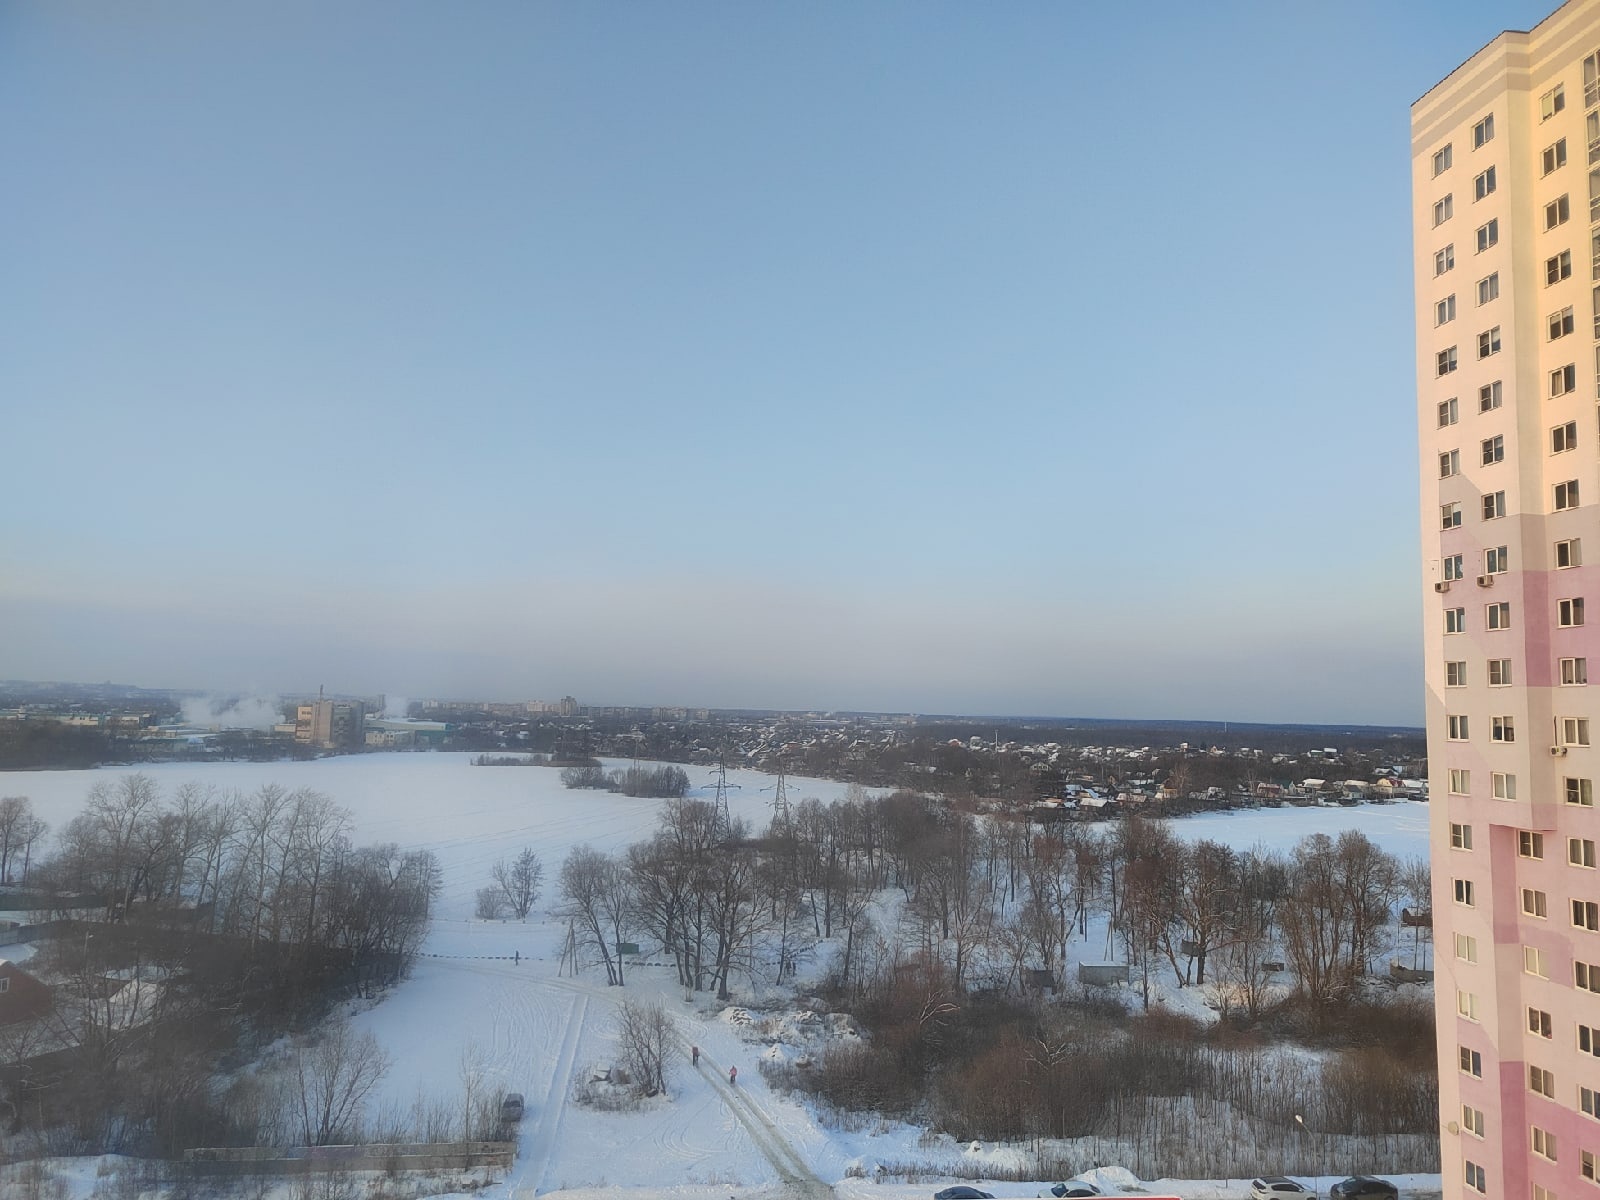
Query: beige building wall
{"type": "Point", "coordinates": [1506, 190]}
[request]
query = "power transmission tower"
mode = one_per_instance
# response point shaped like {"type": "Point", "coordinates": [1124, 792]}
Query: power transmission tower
{"type": "Point", "coordinates": [721, 819]}
{"type": "Point", "coordinates": [780, 798]}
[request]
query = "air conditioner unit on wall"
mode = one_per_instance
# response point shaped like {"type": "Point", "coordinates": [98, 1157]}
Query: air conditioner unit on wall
{"type": "Point", "coordinates": [1485, 580]}
{"type": "Point", "coordinates": [1557, 751]}
{"type": "Point", "coordinates": [1442, 586]}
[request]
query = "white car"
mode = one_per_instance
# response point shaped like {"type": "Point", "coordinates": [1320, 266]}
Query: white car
{"type": "Point", "coordinates": [1278, 1187]}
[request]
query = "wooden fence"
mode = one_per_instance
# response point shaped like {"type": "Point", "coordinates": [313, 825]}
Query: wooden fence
{"type": "Point", "coordinates": [309, 1160]}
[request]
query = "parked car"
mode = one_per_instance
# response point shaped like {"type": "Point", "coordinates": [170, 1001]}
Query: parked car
{"type": "Point", "coordinates": [1364, 1187]}
{"type": "Point", "coordinates": [511, 1108]}
{"type": "Point", "coordinates": [1072, 1189]}
{"type": "Point", "coordinates": [962, 1192]}
{"type": "Point", "coordinates": [1278, 1187]}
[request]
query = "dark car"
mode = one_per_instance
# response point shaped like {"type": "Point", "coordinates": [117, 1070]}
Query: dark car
{"type": "Point", "coordinates": [1072, 1189]}
{"type": "Point", "coordinates": [511, 1108]}
{"type": "Point", "coordinates": [1364, 1187]}
{"type": "Point", "coordinates": [962, 1192]}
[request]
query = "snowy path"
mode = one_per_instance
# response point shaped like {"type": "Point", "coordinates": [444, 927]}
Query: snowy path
{"type": "Point", "coordinates": [540, 1147]}
{"type": "Point", "coordinates": [774, 1146]}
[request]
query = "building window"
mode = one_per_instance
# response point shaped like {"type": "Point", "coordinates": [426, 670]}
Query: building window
{"type": "Point", "coordinates": [1464, 893]}
{"type": "Point", "coordinates": [1496, 560]}
{"type": "Point", "coordinates": [1552, 102]}
{"type": "Point", "coordinates": [1544, 1142]}
{"type": "Point", "coordinates": [1591, 84]}
{"type": "Point", "coordinates": [1471, 1062]}
{"type": "Point", "coordinates": [1557, 212]}
{"type": "Point", "coordinates": [1535, 962]}
{"type": "Point", "coordinates": [1443, 210]}
{"type": "Point", "coordinates": [1442, 160]}
{"type": "Point", "coordinates": [1445, 311]}
{"type": "Point", "coordinates": [1455, 566]}
{"type": "Point", "coordinates": [1557, 325]}
{"type": "Point", "coordinates": [1569, 553]}
{"type": "Point", "coordinates": [1580, 852]}
{"type": "Point", "coordinates": [1579, 792]}
{"type": "Point", "coordinates": [1449, 463]}
{"type": "Point", "coordinates": [1494, 505]}
{"type": "Point", "coordinates": [1483, 132]}
{"type": "Point", "coordinates": [1501, 729]}
{"type": "Point", "coordinates": [1569, 612]}
{"type": "Point", "coordinates": [1494, 450]}
{"type": "Point", "coordinates": [1589, 1102]}
{"type": "Point", "coordinates": [1558, 267]}
{"type": "Point", "coordinates": [1566, 494]}
{"type": "Point", "coordinates": [1472, 1120]}
{"type": "Point", "coordinates": [1449, 412]}
{"type": "Point", "coordinates": [1541, 1082]}
{"type": "Point", "coordinates": [1535, 903]}
{"type": "Point", "coordinates": [1553, 158]}
{"type": "Point", "coordinates": [1539, 1023]}
{"type": "Point", "coordinates": [1456, 727]}
{"type": "Point", "coordinates": [1589, 1040]}
{"type": "Point", "coordinates": [1530, 844]}
{"type": "Point", "coordinates": [1564, 438]}
{"type": "Point", "coordinates": [1574, 672]}
{"type": "Point", "coordinates": [1476, 1178]}
{"type": "Point", "coordinates": [1455, 674]}
{"type": "Point", "coordinates": [1499, 672]}
{"type": "Point", "coordinates": [1504, 787]}
{"type": "Point", "coordinates": [1450, 516]}
{"type": "Point", "coordinates": [1461, 839]}
{"type": "Point", "coordinates": [1460, 785]}
{"type": "Point", "coordinates": [1446, 361]}
{"type": "Point", "coordinates": [1574, 731]}
{"type": "Point", "coordinates": [1564, 380]}
{"type": "Point", "coordinates": [1489, 342]}
{"type": "Point", "coordinates": [1466, 947]}
{"type": "Point", "coordinates": [1586, 915]}
{"type": "Point", "coordinates": [1488, 236]}
{"type": "Point", "coordinates": [1443, 260]}
{"type": "Point", "coordinates": [1455, 620]}
{"type": "Point", "coordinates": [1489, 288]}
{"type": "Point", "coordinates": [1586, 1167]}
{"type": "Point", "coordinates": [1466, 1005]}
{"type": "Point", "coordinates": [1489, 396]}
{"type": "Point", "coordinates": [1483, 184]}
{"type": "Point", "coordinates": [1586, 976]}
{"type": "Point", "coordinates": [1497, 616]}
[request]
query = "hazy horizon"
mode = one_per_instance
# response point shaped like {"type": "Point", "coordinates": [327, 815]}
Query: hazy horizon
{"type": "Point", "coordinates": [1011, 360]}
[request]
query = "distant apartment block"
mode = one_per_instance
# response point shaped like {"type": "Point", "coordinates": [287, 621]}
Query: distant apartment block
{"type": "Point", "coordinates": [330, 724]}
{"type": "Point", "coordinates": [1506, 214]}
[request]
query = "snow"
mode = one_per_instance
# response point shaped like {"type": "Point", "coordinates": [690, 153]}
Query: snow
{"type": "Point", "coordinates": [497, 987]}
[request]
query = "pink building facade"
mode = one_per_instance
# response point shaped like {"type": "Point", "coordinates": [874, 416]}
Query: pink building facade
{"type": "Point", "coordinates": [1506, 214]}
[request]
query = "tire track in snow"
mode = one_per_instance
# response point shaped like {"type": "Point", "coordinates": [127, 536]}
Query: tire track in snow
{"type": "Point", "coordinates": [764, 1132]}
{"type": "Point", "coordinates": [543, 1144]}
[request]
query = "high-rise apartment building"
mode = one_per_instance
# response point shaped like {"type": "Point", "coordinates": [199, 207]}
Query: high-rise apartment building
{"type": "Point", "coordinates": [1506, 191]}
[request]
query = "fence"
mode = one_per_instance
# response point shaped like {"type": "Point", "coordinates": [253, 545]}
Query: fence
{"type": "Point", "coordinates": [310, 1160]}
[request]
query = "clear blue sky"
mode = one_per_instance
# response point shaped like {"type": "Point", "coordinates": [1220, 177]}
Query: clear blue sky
{"type": "Point", "coordinates": [1008, 358]}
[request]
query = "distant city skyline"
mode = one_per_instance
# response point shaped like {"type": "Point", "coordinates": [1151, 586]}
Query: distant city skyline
{"type": "Point", "coordinates": [1029, 359]}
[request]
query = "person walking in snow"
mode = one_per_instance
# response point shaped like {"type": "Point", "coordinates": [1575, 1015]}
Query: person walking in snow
{"type": "Point", "coordinates": [694, 1052]}
{"type": "Point", "coordinates": [733, 1076]}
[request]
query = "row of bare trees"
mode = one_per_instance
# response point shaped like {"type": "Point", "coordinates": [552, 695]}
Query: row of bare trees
{"type": "Point", "coordinates": [271, 866]}
{"type": "Point", "coordinates": [997, 901]}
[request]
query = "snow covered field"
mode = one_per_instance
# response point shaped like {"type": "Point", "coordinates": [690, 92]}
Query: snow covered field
{"type": "Point", "coordinates": [539, 1032]}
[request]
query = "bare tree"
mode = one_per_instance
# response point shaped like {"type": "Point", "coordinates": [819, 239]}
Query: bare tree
{"type": "Point", "coordinates": [490, 905]}
{"type": "Point", "coordinates": [331, 1078]}
{"type": "Point", "coordinates": [596, 898]}
{"type": "Point", "coordinates": [519, 881]}
{"type": "Point", "coordinates": [646, 1034]}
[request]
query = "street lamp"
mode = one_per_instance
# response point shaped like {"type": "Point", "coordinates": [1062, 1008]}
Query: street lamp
{"type": "Point", "coordinates": [1301, 1122]}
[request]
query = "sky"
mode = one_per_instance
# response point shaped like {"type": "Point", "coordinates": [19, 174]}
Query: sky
{"type": "Point", "coordinates": [1014, 358]}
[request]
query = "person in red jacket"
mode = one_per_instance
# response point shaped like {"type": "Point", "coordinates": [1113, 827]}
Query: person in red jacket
{"type": "Point", "coordinates": [733, 1076]}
